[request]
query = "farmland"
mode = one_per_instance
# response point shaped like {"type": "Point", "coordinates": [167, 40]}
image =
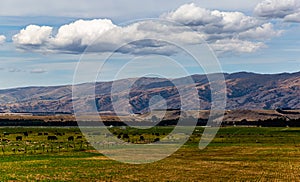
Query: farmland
{"type": "Point", "coordinates": [236, 154]}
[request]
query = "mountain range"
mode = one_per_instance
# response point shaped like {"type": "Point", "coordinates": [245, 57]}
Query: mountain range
{"type": "Point", "coordinates": [245, 90]}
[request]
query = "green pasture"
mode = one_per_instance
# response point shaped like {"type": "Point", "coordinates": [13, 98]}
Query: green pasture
{"type": "Point", "coordinates": [236, 154]}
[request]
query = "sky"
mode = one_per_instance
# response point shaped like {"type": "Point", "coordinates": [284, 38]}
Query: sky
{"type": "Point", "coordinates": [57, 42]}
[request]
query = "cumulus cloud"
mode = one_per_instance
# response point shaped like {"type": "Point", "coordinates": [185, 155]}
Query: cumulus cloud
{"type": "Point", "coordinates": [192, 25]}
{"type": "Point", "coordinates": [225, 31]}
{"type": "Point", "coordinates": [101, 35]}
{"type": "Point", "coordinates": [2, 39]}
{"type": "Point", "coordinates": [190, 14]}
{"type": "Point", "coordinates": [278, 9]}
{"type": "Point", "coordinates": [71, 38]}
{"type": "Point", "coordinates": [211, 21]}
{"type": "Point", "coordinates": [33, 35]}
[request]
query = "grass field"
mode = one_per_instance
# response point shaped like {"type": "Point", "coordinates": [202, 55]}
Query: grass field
{"type": "Point", "coordinates": [236, 154]}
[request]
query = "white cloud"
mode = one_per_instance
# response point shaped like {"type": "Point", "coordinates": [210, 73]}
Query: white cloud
{"type": "Point", "coordinates": [225, 31]}
{"type": "Point", "coordinates": [38, 71]}
{"type": "Point", "coordinates": [263, 32]}
{"type": "Point", "coordinates": [211, 21]}
{"type": "Point", "coordinates": [83, 31]}
{"type": "Point", "coordinates": [218, 28]}
{"type": "Point", "coordinates": [240, 46]}
{"type": "Point", "coordinates": [2, 39]}
{"type": "Point", "coordinates": [32, 36]}
{"type": "Point", "coordinates": [277, 8]}
{"type": "Point", "coordinates": [71, 38]}
{"type": "Point", "coordinates": [191, 15]}
{"type": "Point", "coordinates": [293, 17]}
{"type": "Point", "coordinates": [101, 35]}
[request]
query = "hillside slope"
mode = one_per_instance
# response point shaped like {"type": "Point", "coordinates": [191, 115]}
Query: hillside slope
{"type": "Point", "coordinates": [244, 91]}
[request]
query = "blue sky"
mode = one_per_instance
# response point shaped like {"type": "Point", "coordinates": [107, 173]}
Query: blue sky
{"type": "Point", "coordinates": [41, 43]}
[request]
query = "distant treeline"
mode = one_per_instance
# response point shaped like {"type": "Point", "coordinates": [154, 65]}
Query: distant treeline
{"type": "Point", "coordinates": [278, 122]}
{"type": "Point", "coordinates": [34, 122]}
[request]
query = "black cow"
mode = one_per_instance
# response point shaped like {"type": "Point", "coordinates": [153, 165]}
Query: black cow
{"type": "Point", "coordinates": [19, 138]}
{"type": "Point", "coordinates": [52, 138]}
{"type": "Point", "coordinates": [25, 134]}
{"type": "Point", "coordinates": [5, 140]}
{"type": "Point", "coordinates": [71, 138]}
{"type": "Point", "coordinates": [142, 138]}
{"type": "Point", "coordinates": [156, 140]}
{"type": "Point", "coordinates": [79, 137]}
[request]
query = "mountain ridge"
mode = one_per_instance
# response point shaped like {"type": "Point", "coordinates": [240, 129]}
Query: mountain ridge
{"type": "Point", "coordinates": [245, 90]}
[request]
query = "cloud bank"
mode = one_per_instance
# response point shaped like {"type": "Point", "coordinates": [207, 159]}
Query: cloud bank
{"type": "Point", "coordinates": [232, 32]}
{"type": "Point", "coordinates": [101, 35]}
{"type": "Point", "coordinates": [225, 31]}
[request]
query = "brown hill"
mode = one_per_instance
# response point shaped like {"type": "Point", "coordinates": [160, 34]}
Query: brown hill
{"type": "Point", "coordinates": [244, 91]}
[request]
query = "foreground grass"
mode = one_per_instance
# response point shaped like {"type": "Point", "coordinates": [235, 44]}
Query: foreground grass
{"type": "Point", "coordinates": [236, 154]}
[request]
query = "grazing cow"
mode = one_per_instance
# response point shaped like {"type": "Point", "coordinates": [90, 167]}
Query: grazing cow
{"type": "Point", "coordinates": [58, 134]}
{"type": "Point", "coordinates": [25, 134]}
{"type": "Point", "coordinates": [71, 138]}
{"type": "Point", "coordinates": [40, 134]}
{"type": "Point", "coordinates": [5, 140]}
{"type": "Point", "coordinates": [79, 137]}
{"type": "Point", "coordinates": [142, 138]}
{"type": "Point", "coordinates": [52, 138]}
{"type": "Point", "coordinates": [45, 133]}
{"type": "Point", "coordinates": [156, 140]}
{"type": "Point", "coordinates": [19, 138]}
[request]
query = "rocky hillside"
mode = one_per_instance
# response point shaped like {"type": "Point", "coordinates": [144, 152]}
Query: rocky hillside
{"type": "Point", "coordinates": [244, 91]}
